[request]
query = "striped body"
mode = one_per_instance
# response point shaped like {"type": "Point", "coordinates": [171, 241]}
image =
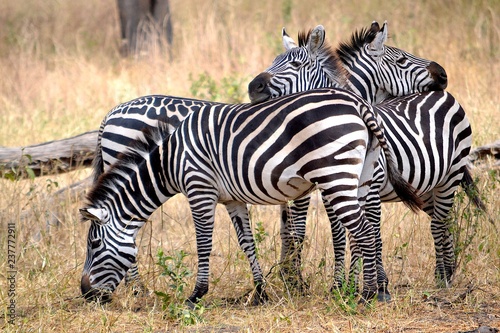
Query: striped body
{"type": "Point", "coordinates": [429, 132]}
{"type": "Point", "coordinates": [438, 138]}
{"type": "Point", "coordinates": [123, 124]}
{"type": "Point", "coordinates": [237, 154]}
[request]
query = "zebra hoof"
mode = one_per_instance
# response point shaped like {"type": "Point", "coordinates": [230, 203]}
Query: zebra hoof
{"type": "Point", "coordinates": [366, 297]}
{"type": "Point", "coordinates": [259, 296]}
{"type": "Point", "coordinates": [138, 290]}
{"type": "Point", "coordinates": [190, 304]}
{"type": "Point", "coordinates": [259, 299]}
{"type": "Point", "coordinates": [383, 294]}
{"type": "Point", "coordinates": [384, 297]}
{"type": "Point", "coordinates": [293, 280]}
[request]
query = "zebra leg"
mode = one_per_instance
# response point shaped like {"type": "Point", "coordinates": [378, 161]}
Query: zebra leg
{"type": "Point", "coordinates": [292, 232]}
{"type": "Point", "coordinates": [133, 279]}
{"type": "Point", "coordinates": [450, 261]}
{"type": "Point", "coordinates": [369, 200]}
{"type": "Point", "coordinates": [439, 209]}
{"type": "Point", "coordinates": [339, 244]}
{"type": "Point", "coordinates": [352, 218]}
{"type": "Point", "coordinates": [355, 264]}
{"type": "Point", "coordinates": [239, 216]}
{"type": "Point", "coordinates": [373, 209]}
{"type": "Point", "coordinates": [203, 212]}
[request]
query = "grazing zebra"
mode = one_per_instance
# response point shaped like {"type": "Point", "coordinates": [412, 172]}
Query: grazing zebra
{"type": "Point", "coordinates": [429, 132]}
{"type": "Point", "coordinates": [262, 154]}
{"type": "Point", "coordinates": [124, 123]}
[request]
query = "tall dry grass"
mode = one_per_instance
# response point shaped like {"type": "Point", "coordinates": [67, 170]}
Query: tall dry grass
{"type": "Point", "coordinates": [61, 72]}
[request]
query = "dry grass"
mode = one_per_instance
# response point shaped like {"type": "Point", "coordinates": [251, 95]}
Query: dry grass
{"type": "Point", "coordinates": [61, 72]}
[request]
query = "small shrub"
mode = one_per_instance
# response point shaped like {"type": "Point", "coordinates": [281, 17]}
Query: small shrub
{"type": "Point", "coordinates": [173, 303]}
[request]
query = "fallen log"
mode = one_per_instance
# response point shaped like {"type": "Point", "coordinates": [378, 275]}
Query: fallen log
{"type": "Point", "coordinates": [61, 156]}
{"type": "Point", "coordinates": [48, 158]}
{"type": "Point", "coordinates": [486, 151]}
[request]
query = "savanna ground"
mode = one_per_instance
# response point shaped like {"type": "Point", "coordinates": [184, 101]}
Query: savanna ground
{"type": "Point", "coordinates": [61, 72]}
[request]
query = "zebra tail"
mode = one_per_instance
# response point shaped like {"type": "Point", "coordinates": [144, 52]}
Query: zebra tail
{"type": "Point", "coordinates": [472, 192]}
{"type": "Point", "coordinates": [97, 165]}
{"type": "Point", "coordinates": [403, 189]}
{"type": "Point", "coordinates": [98, 162]}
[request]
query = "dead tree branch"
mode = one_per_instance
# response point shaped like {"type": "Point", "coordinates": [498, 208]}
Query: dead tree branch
{"type": "Point", "coordinates": [49, 158]}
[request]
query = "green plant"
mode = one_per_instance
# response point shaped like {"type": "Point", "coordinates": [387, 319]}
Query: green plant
{"type": "Point", "coordinates": [345, 296]}
{"type": "Point", "coordinates": [260, 236]}
{"type": "Point", "coordinates": [17, 173]}
{"type": "Point", "coordinates": [229, 89]}
{"type": "Point", "coordinates": [465, 220]}
{"type": "Point", "coordinates": [173, 303]}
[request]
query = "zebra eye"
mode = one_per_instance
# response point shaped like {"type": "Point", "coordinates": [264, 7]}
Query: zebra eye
{"type": "Point", "coordinates": [95, 243]}
{"type": "Point", "coordinates": [402, 60]}
{"type": "Point", "coordinates": [295, 64]}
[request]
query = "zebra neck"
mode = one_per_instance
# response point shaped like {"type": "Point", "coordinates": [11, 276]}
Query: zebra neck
{"type": "Point", "coordinates": [145, 184]}
{"type": "Point", "coordinates": [337, 77]}
{"type": "Point", "coordinates": [360, 85]}
{"type": "Point", "coordinates": [362, 81]}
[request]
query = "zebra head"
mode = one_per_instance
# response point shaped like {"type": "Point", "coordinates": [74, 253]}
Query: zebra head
{"type": "Point", "coordinates": [312, 64]}
{"type": "Point", "coordinates": [371, 69]}
{"type": "Point", "coordinates": [119, 204]}
{"type": "Point", "coordinates": [110, 253]}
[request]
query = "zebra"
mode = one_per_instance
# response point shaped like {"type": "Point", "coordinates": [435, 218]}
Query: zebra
{"type": "Point", "coordinates": [364, 65]}
{"type": "Point", "coordinates": [419, 126]}
{"type": "Point", "coordinates": [262, 154]}
{"type": "Point", "coordinates": [124, 123]}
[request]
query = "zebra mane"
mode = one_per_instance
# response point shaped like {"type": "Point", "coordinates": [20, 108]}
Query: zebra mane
{"type": "Point", "coordinates": [136, 154]}
{"type": "Point", "coordinates": [358, 40]}
{"type": "Point", "coordinates": [332, 63]}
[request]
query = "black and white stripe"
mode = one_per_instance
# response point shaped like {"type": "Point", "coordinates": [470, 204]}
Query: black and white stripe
{"type": "Point", "coordinates": [266, 154]}
{"type": "Point", "coordinates": [124, 123]}
{"type": "Point", "coordinates": [364, 65]}
{"type": "Point", "coordinates": [429, 131]}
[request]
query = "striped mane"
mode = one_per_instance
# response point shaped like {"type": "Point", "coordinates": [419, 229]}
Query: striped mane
{"type": "Point", "coordinates": [135, 155]}
{"type": "Point", "coordinates": [332, 63]}
{"type": "Point", "coordinates": [358, 40]}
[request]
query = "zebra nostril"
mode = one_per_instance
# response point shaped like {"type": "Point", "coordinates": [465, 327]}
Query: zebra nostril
{"type": "Point", "coordinates": [258, 89]}
{"type": "Point", "coordinates": [258, 84]}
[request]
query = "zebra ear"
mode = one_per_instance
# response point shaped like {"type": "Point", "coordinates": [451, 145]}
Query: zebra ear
{"type": "Point", "coordinates": [93, 214]}
{"type": "Point", "coordinates": [376, 47]}
{"type": "Point", "coordinates": [375, 27]}
{"type": "Point", "coordinates": [316, 40]}
{"type": "Point", "coordinates": [288, 42]}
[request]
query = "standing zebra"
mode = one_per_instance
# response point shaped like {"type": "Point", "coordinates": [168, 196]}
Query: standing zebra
{"type": "Point", "coordinates": [262, 154]}
{"type": "Point", "coordinates": [124, 123]}
{"type": "Point", "coordinates": [429, 132]}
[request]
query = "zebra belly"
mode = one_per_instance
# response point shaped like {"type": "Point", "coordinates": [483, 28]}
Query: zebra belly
{"type": "Point", "coordinates": [291, 189]}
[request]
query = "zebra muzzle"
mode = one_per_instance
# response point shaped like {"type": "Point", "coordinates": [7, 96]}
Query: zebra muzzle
{"type": "Point", "coordinates": [439, 76]}
{"type": "Point", "coordinates": [258, 88]}
{"type": "Point", "coordinates": [92, 294]}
